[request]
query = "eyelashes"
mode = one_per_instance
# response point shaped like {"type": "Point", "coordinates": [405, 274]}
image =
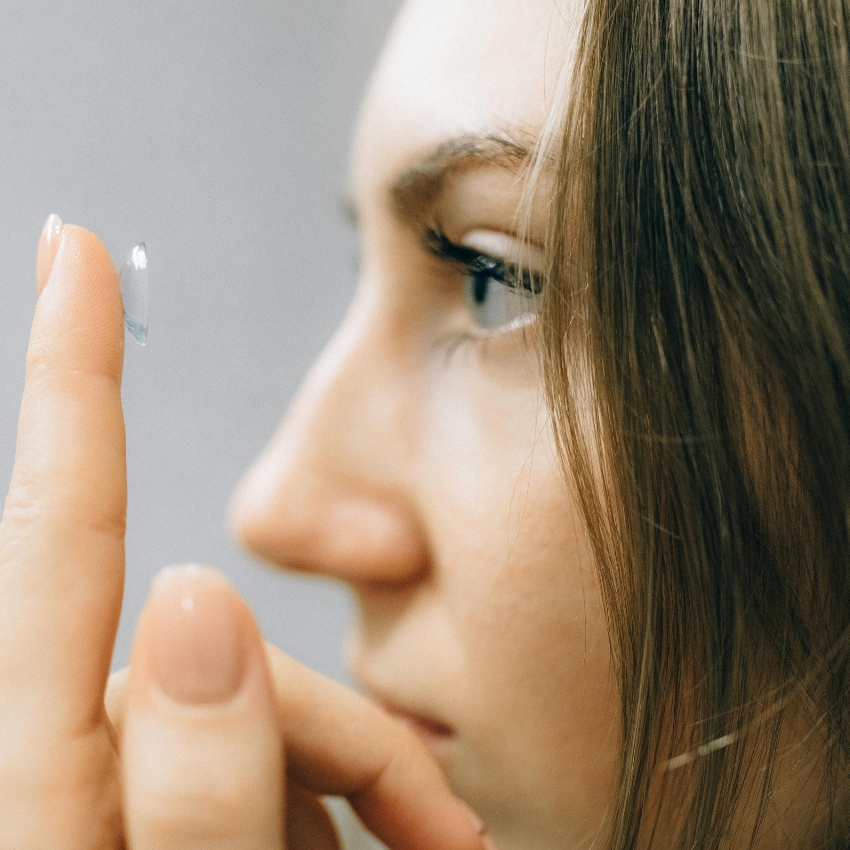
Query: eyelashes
{"type": "Point", "coordinates": [499, 297]}
{"type": "Point", "coordinates": [480, 267]}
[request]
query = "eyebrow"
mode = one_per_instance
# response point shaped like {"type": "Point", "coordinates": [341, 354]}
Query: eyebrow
{"type": "Point", "coordinates": [415, 191]}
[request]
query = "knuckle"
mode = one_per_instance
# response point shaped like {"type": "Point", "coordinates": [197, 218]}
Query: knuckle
{"type": "Point", "coordinates": [45, 365]}
{"type": "Point", "coordinates": [203, 807]}
{"type": "Point", "coordinates": [27, 510]}
{"type": "Point", "coordinates": [20, 512]}
{"type": "Point", "coordinates": [197, 814]}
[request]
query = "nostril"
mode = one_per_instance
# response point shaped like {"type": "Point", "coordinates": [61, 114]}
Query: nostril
{"type": "Point", "coordinates": [368, 540]}
{"type": "Point", "coordinates": [328, 495]}
{"type": "Point", "coordinates": [355, 538]}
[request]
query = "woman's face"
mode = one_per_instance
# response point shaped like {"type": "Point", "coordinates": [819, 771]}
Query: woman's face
{"type": "Point", "coordinates": [417, 462]}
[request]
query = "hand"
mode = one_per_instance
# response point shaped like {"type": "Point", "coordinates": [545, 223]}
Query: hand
{"type": "Point", "coordinates": [209, 762]}
{"type": "Point", "coordinates": [203, 732]}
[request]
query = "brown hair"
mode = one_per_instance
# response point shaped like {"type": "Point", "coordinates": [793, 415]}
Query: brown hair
{"type": "Point", "coordinates": [697, 337]}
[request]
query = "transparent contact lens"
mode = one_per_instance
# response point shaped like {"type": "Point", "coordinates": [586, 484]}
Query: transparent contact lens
{"type": "Point", "coordinates": [134, 293]}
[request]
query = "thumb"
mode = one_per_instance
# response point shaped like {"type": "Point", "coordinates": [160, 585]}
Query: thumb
{"type": "Point", "coordinates": [202, 751]}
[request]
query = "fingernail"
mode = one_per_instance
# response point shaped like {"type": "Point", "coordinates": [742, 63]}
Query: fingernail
{"type": "Point", "coordinates": [48, 245]}
{"type": "Point", "coordinates": [198, 643]}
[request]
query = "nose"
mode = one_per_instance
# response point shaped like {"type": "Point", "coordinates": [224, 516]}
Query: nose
{"type": "Point", "coordinates": [332, 492]}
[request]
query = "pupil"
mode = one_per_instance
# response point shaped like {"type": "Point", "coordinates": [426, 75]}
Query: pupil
{"type": "Point", "coordinates": [480, 284]}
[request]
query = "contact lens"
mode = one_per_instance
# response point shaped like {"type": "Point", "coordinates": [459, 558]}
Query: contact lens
{"type": "Point", "coordinates": [134, 293]}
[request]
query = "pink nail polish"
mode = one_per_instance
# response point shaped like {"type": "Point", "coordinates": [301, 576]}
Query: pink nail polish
{"type": "Point", "coordinates": [198, 641]}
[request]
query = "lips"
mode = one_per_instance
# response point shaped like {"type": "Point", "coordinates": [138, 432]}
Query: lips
{"type": "Point", "coordinates": [435, 735]}
{"type": "Point", "coordinates": [431, 729]}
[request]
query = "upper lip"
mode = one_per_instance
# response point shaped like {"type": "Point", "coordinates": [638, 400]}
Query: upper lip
{"type": "Point", "coordinates": [417, 713]}
{"type": "Point", "coordinates": [403, 710]}
{"type": "Point", "coordinates": [423, 721]}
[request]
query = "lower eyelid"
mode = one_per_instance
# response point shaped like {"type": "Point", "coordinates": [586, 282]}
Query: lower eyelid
{"type": "Point", "coordinates": [447, 274]}
{"type": "Point", "coordinates": [484, 344]}
{"type": "Point", "coordinates": [523, 321]}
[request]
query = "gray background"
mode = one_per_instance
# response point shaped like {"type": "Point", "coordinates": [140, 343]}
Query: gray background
{"type": "Point", "coordinates": [218, 134]}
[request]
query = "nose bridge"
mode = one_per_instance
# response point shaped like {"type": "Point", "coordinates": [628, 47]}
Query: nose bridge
{"type": "Point", "coordinates": [355, 397]}
{"type": "Point", "coordinates": [331, 493]}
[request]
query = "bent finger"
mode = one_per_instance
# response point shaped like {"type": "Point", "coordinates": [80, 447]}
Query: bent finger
{"type": "Point", "coordinates": [201, 749]}
{"type": "Point", "coordinates": [342, 744]}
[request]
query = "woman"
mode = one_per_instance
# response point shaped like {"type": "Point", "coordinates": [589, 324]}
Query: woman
{"type": "Point", "coordinates": [581, 449]}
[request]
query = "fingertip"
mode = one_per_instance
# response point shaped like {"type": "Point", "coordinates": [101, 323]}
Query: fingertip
{"type": "Point", "coordinates": [422, 820]}
{"type": "Point", "coordinates": [198, 641]}
{"type": "Point", "coordinates": [187, 574]}
{"type": "Point", "coordinates": [79, 320]}
{"type": "Point", "coordinates": [82, 251]}
{"type": "Point", "coordinates": [202, 757]}
{"type": "Point", "coordinates": [81, 255]}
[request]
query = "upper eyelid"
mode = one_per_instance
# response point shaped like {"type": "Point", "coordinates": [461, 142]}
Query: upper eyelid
{"type": "Point", "coordinates": [437, 244]}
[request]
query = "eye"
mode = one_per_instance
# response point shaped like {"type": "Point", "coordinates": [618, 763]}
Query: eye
{"type": "Point", "coordinates": [497, 294]}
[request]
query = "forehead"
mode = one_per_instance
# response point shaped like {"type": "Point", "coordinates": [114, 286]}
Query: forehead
{"type": "Point", "coordinates": [458, 67]}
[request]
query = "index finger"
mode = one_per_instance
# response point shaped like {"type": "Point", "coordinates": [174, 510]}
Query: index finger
{"type": "Point", "coordinates": [338, 742]}
{"type": "Point", "coordinates": [62, 535]}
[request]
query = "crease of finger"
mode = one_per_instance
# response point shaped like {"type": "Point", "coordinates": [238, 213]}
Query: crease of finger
{"type": "Point", "coordinates": [309, 826]}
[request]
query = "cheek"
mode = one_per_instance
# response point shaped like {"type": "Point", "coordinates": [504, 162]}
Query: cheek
{"type": "Point", "coordinates": [538, 654]}
{"type": "Point", "coordinates": [525, 601]}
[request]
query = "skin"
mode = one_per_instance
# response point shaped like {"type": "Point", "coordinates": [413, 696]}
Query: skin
{"type": "Point", "coordinates": [212, 738]}
{"type": "Point", "coordinates": [416, 464]}
{"type": "Point", "coordinates": [425, 477]}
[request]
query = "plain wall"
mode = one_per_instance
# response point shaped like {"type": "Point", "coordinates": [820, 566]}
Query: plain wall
{"type": "Point", "coordinates": [218, 134]}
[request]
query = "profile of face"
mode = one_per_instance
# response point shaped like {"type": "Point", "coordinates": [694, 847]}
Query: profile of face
{"type": "Point", "coordinates": [417, 463]}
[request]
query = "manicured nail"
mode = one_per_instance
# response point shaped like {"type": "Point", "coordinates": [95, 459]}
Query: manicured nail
{"type": "Point", "coordinates": [198, 643]}
{"type": "Point", "coordinates": [48, 245]}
